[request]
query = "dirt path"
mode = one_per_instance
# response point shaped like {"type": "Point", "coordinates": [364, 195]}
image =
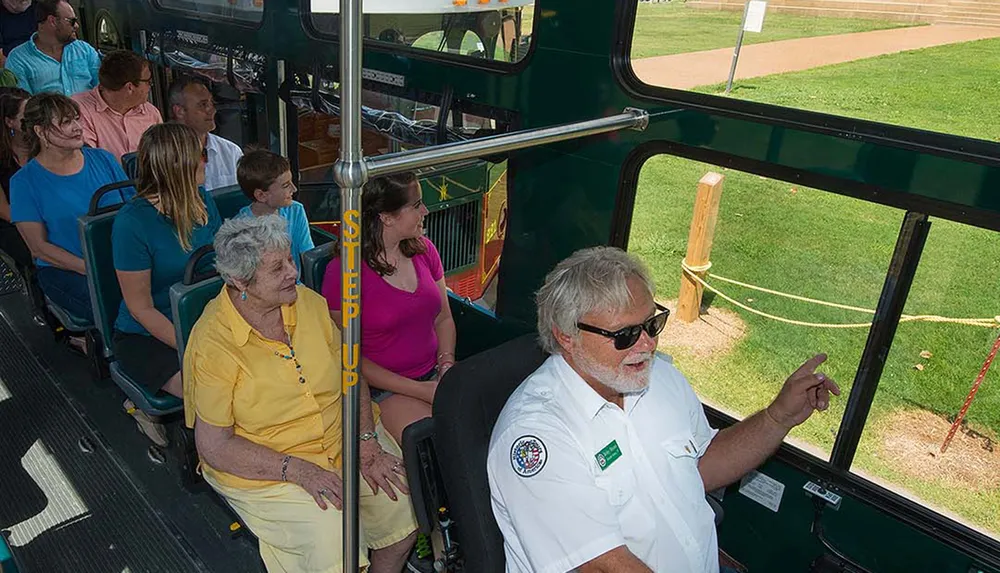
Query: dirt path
{"type": "Point", "coordinates": [685, 71]}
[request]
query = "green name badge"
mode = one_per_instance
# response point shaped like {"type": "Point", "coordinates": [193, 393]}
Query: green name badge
{"type": "Point", "coordinates": [608, 455]}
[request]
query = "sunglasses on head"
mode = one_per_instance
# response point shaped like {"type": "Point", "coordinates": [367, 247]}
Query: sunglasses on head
{"type": "Point", "coordinates": [626, 337]}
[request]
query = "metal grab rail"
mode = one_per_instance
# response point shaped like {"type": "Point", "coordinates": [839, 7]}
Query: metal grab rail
{"type": "Point", "coordinates": [630, 118]}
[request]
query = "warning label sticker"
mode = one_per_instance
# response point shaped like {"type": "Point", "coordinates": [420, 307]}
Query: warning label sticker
{"type": "Point", "coordinates": [762, 489]}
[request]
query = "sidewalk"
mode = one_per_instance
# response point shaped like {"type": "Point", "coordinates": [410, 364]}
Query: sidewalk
{"type": "Point", "coordinates": [685, 71]}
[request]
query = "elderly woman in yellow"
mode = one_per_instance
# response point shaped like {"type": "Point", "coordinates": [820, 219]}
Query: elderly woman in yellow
{"type": "Point", "coordinates": [262, 391]}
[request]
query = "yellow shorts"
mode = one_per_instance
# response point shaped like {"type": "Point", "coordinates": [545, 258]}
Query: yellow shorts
{"type": "Point", "coordinates": [296, 536]}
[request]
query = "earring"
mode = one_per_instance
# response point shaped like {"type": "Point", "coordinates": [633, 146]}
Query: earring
{"type": "Point", "coordinates": [243, 295]}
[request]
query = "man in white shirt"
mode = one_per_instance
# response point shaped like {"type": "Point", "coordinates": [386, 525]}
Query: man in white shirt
{"type": "Point", "coordinates": [191, 103]}
{"type": "Point", "coordinates": [601, 459]}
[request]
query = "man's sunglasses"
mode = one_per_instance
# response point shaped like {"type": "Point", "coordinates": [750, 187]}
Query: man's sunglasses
{"type": "Point", "coordinates": [626, 338]}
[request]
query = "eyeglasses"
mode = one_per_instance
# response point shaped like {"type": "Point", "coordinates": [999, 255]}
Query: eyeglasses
{"type": "Point", "coordinates": [72, 21]}
{"type": "Point", "coordinates": [626, 338]}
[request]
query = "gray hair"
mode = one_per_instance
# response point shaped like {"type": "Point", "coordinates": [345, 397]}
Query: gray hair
{"type": "Point", "coordinates": [175, 94]}
{"type": "Point", "coordinates": [241, 243]}
{"type": "Point", "coordinates": [589, 280]}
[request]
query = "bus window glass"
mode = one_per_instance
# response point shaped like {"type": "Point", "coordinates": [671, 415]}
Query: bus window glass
{"type": "Point", "coordinates": [768, 234]}
{"type": "Point", "coordinates": [108, 36]}
{"type": "Point", "coordinates": [863, 60]}
{"type": "Point", "coordinates": [249, 11]}
{"type": "Point", "coordinates": [467, 203]}
{"type": "Point", "coordinates": [496, 30]}
{"type": "Point", "coordinates": [929, 373]}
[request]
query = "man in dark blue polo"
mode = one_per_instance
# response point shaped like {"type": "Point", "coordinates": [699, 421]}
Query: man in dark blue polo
{"type": "Point", "coordinates": [17, 24]}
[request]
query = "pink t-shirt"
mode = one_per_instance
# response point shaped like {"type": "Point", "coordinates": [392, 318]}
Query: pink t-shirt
{"type": "Point", "coordinates": [397, 327]}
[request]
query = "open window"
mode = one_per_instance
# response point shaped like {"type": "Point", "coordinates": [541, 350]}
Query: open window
{"type": "Point", "coordinates": [771, 241]}
{"type": "Point", "coordinates": [937, 355]}
{"type": "Point", "coordinates": [235, 77]}
{"type": "Point", "coordinates": [108, 35]}
{"type": "Point", "coordinates": [860, 61]}
{"type": "Point", "coordinates": [492, 30]}
{"type": "Point", "coordinates": [245, 11]}
{"type": "Point", "coordinates": [467, 201]}
{"type": "Point", "coordinates": [789, 271]}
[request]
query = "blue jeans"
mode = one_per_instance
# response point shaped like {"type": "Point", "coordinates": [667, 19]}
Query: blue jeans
{"type": "Point", "coordinates": [378, 394]}
{"type": "Point", "coordinates": [67, 290]}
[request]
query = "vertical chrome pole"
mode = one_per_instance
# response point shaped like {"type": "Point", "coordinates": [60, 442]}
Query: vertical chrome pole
{"type": "Point", "coordinates": [350, 173]}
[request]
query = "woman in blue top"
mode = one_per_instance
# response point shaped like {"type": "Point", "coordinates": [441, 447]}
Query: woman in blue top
{"type": "Point", "coordinates": [153, 236]}
{"type": "Point", "coordinates": [52, 190]}
{"type": "Point", "coordinates": [266, 179]}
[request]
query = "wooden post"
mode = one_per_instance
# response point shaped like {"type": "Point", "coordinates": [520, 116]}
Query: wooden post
{"type": "Point", "coordinates": [699, 251]}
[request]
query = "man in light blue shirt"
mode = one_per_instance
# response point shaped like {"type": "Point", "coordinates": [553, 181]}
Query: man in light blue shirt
{"type": "Point", "coordinates": [54, 60]}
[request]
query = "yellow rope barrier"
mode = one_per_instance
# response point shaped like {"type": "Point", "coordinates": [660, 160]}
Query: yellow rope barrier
{"type": "Point", "coordinates": [693, 273]}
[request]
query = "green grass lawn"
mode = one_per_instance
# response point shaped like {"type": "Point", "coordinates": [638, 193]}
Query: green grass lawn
{"type": "Point", "coordinates": [835, 248]}
{"type": "Point", "coordinates": [945, 88]}
{"type": "Point", "coordinates": [674, 28]}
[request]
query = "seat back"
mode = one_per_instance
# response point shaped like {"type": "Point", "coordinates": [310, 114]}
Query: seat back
{"type": "Point", "coordinates": [466, 408]}
{"type": "Point", "coordinates": [229, 200]}
{"type": "Point", "coordinates": [106, 297]}
{"type": "Point", "coordinates": [95, 239]}
{"type": "Point", "coordinates": [314, 262]}
{"type": "Point", "coordinates": [8, 562]}
{"type": "Point", "coordinates": [189, 297]}
{"type": "Point", "coordinates": [130, 163]}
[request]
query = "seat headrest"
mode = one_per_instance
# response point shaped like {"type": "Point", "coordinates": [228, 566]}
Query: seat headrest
{"type": "Point", "coordinates": [466, 407]}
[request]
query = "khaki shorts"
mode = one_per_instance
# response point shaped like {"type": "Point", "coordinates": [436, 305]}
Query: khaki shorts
{"type": "Point", "coordinates": [296, 536]}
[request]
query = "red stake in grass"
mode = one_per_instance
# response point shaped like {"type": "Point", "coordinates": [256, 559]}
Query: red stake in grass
{"type": "Point", "coordinates": [972, 394]}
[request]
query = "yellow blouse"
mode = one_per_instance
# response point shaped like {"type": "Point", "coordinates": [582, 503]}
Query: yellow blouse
{"type": "Point", "coordinates": [233, 376]}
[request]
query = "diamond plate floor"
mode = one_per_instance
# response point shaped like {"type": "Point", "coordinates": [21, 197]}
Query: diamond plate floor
{"type": "Point", "coordinates": [65, 502]}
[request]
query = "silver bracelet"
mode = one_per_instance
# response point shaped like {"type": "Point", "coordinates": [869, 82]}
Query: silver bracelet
{"type": "Point", "coordinates": [284, 468]}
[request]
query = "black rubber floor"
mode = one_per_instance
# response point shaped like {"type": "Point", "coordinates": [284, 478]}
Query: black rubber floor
{"type": "Point", "coordinates": [77, 489]}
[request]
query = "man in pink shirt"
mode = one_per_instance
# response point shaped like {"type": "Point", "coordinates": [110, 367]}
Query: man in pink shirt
{"type": "Point", "coordinates": [117, 112]}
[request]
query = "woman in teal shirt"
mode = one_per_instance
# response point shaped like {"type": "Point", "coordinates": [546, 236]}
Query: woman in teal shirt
{"type": "Point", "coordinates": [153, 237]}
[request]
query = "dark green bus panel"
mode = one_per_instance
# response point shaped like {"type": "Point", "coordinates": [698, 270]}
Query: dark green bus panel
{"type": "Point", "coordinates": [898, 199]}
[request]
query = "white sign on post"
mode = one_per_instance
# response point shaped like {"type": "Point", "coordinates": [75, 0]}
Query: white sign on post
{"type": "Point", "coordinates": [755, 16]}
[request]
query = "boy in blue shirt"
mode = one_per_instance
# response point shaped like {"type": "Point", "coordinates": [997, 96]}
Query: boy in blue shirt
{"type": "Point", "coordinates": [266, 179]}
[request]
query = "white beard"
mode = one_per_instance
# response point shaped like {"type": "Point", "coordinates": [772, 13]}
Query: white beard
{"type": "Point", "coordinates": [618, 379]}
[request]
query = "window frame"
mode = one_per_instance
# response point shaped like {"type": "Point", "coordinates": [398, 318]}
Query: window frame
{"type": "Point", "coordinates": [834, 473]}
{"type": "Point", "coordinates": [493, 66]}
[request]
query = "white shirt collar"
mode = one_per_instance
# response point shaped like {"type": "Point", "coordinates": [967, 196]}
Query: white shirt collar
{"type": "Point", "coordinates": [585, 398]}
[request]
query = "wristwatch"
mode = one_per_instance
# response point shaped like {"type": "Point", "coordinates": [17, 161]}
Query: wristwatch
{"type": "Point", "coordinates": [367, 436]}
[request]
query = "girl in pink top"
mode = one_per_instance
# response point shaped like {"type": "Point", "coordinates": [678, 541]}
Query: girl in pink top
{"type": "Point", "coordinates": [407, 331]}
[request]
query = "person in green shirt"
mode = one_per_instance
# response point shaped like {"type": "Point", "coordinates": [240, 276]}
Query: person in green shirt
{"type": "Point", "coordinates": [7, 78]}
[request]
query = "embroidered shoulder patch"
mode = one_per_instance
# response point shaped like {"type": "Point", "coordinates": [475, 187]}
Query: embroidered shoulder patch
{"type": "Point", "coordinates": [527, 456]}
